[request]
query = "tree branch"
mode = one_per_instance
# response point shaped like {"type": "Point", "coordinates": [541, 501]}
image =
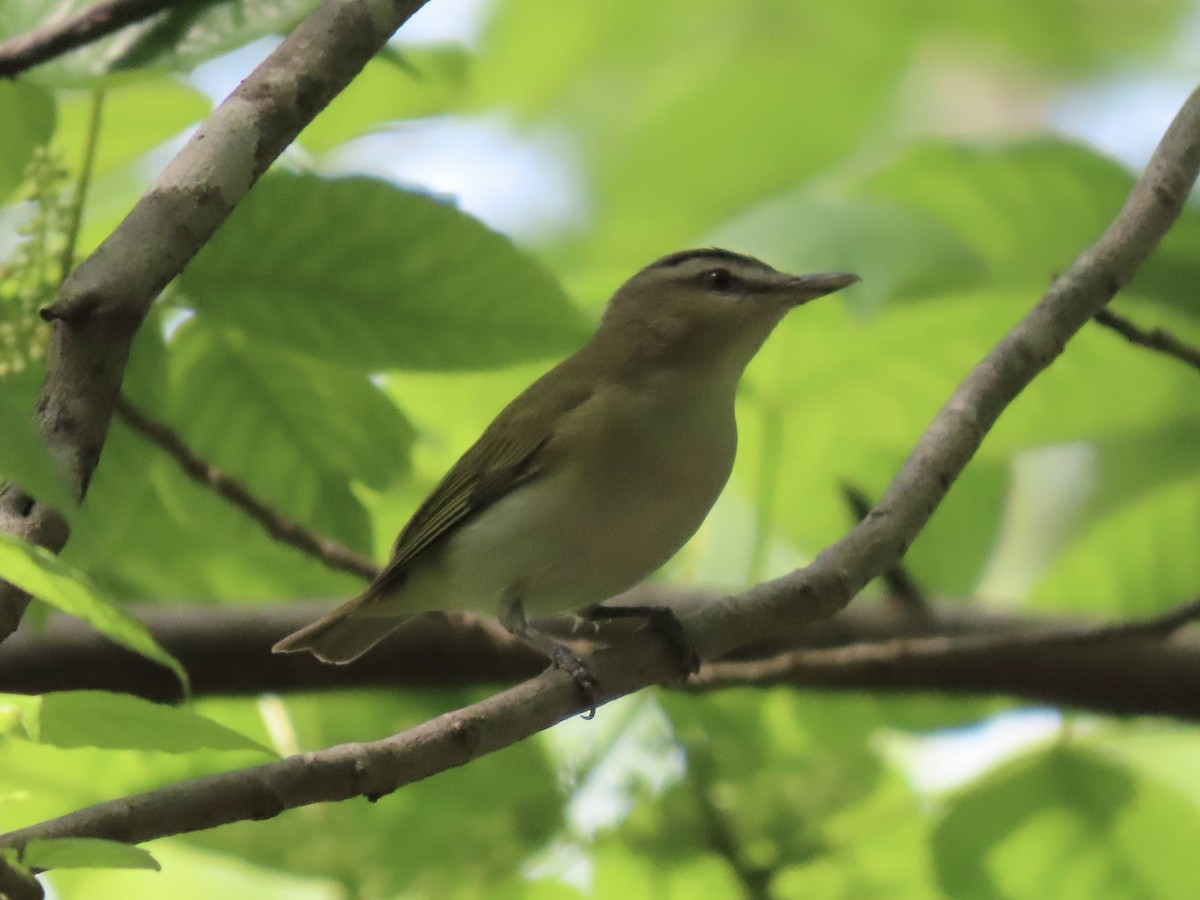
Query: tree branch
{"type": "Point", "coordinates": [824, 587]}
{"type": "Point", "coordinates": [902, 588]}
{"type": "Point", "coordinates": [102, 303]}
{"type": "Point", "coordinates": [1155, 339]}
{"type": "Point", "coordinates": [819, 590]}
{"type": "Point", "coordinates": [59, 37]}
{"type": "Point", "coordinates": [277, 525]}
{"type": "Point", "coordinates": [1127, 667]}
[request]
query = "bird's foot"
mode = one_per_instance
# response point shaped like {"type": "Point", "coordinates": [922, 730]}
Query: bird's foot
{"type": "Point", "coordinates": [662, 619]}
{"type": "Point", "coordinates": [575, 666]}
{"type": "Point", "coordinates": [513, 618]}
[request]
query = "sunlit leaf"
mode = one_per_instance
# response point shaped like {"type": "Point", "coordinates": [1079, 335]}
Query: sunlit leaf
{"type": "Point", "coordinates": [52, 581]}
{"type": "Point", "coordinates": [366, 275]}
{"type": "Point", "coordinates": [120, 722]}
{"type": "Point", "coordinates": [86, 853]}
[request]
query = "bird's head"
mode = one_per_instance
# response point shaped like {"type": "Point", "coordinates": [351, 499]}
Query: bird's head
{"type": "Point", "coordinates": [709, 306]}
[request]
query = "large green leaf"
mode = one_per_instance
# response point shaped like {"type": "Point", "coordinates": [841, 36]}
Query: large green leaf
{"type": "Point", "coordinates": [362, 273]}
{"type": "Point", "coordinates": [179, 38]}
{"type": "Point", "coordinates": [297, 432]}
{"type": "Point", "coordinates": [1030, 208]}
{"type": "Point", "coordinates": [856, 394]}
{"type": "Point", "coordinates": [266, 413]}
{"type": "Point", "coordinates": [1066, 824]}
{"type": "Point", "coordinates": [52, 581]}
{"type": "Point", "coordinates": [1139, 559]}
{"type": "Point", "coordinates": [27, 112]}
{"type": "Point", "coordinates": [685, 113]}
{"type": "Point", "coordinates": [119, 722]}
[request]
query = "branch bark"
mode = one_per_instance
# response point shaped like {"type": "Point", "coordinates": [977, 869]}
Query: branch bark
{"type": "Point", "coordinates": [1126, 668]}
{"type": "Point", "coordinates": [818, 591]}
{"type": "Point", "coordinates": [58, 37]}
{"type": "Point", "coordinates": [102, 304]}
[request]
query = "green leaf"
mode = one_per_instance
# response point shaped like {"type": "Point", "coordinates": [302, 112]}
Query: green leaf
{"type": "Point", "coordinates": [24, 458]}
{"type": "Point", "coordinates": [266, 413]}
{"type": "Point", "coordinates": [86, 853]}
{"type": "Point", "coordinates": [136, 117]}
{"type": "Point", "coordinates": [179, 38]}
{"type": "Point", "coordinates": [1139, 559]}
{"type": "Point", "coordinates": [1065, 824]}
{"type": "Point", "coordinates": [120, 722]}
{"type": "Point", "coordinates": [361, 273]}
{"type": "Point", "coordinates": [515, 809]}
{"type": "Point", "coordinates": [52, 581]}
{"type": "Point", "coordinates": [1030, 208]}
{"type": "Point", "coordinates": [419, 82]}
{"type": "Point", "coordinates": [27, 112]}
{"type": "Point", "coordinates": [895, 370]}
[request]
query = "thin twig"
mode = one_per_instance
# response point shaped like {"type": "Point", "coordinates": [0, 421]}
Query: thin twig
{"type": "Point", "coordinates": [820, 590]}
{"type": "Point", "coordinates": [18, 885]}
{"type": "Point", "coordinates": [84, 179]}
{"type": "Point", "coordinates": [942, 647]}
{"type": "Point", "coordinates": [56, 38]}
{"type": "Point", "coordinates": [903, 590]}
{"type": "Point", "coordinates": [1153, 339]}
{"type": "Point", "coordinates": [277, 525]}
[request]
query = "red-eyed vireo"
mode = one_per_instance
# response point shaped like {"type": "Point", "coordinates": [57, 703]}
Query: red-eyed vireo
{"type": "Point", "coordinates": [597, 473]}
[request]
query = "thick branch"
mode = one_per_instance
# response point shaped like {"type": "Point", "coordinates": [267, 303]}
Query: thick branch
{"type": "Point", "coordinates": [1126, 668]}
{"type": "Point", "coordinates": [103, 302]}
{"type": "Point", "coordinates": [1156, 339]}
{"type": "Point", "coordinates": [817, 591]}
{"type": "Point", "coordinates": [277, 525]}
{"type": "Point", "coordinates": [61, 36]}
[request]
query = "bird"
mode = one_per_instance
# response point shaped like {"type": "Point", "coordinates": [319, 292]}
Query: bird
{"type": "Point", "coordinates": [596, 474]}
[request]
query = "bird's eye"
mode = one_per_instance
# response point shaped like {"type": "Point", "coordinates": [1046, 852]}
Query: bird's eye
{"type": "Point", "coordinates": [718, 279]}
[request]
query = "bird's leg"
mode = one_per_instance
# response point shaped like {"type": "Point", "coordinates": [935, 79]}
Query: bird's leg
{"type": "Point", "coordinates": [662, 618]}
{"type": "Point", "coordinates": [512, 617]}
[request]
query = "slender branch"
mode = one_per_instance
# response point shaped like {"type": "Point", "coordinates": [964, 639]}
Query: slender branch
{"type": "Point", "coordinates": [1153, 339]}
{"type": "Point", "coordinates": [59, 37]}
{"type": "Point", "coordinates": [944, 648]}
{"type": "Point", "coordinates": [85, 178]}
{"type": "Point", "coordinates": [18, 885]}
{"type": "Point", "coordinates": [103, 301]}
{"type": "Point", "coordinates": [824, 587]}
{"type": "Point", "coordinates": [278, 526]}
{"type": "Point", "coordinates": [902, 588]}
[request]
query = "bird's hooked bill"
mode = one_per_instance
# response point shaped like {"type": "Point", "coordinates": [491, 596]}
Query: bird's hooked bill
{"type": "Point", "coordinates": [810, 287]}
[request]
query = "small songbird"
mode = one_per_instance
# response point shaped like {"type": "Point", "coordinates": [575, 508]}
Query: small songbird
{"type": "Point", "coordinates": [597, 473]}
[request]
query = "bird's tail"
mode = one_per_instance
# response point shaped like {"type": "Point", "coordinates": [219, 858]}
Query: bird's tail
{"type": "Point", "coordinates": [342, 636]}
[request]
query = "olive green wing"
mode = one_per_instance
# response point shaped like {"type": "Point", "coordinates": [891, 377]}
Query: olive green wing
{"type": "Point", "coordinates": [511, 452]}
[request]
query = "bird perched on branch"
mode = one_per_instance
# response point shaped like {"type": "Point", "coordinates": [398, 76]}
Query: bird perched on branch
{"type": "Point", "coordinates": [596, 474]}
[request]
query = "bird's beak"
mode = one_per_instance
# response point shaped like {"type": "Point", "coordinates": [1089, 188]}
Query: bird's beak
{"type": "Point", "coordinates": [803, 288]}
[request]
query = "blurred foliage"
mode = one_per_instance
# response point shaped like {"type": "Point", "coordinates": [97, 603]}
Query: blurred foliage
{"type": "Point", "coordinates": [339, 343]}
